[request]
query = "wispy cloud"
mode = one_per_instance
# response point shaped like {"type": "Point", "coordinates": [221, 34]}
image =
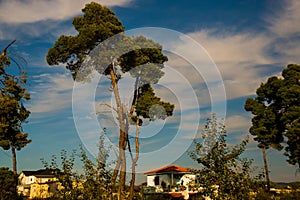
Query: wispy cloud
{"type": "Point", "coordinates": [286, 23]}
{"type": "Point", "coordinates": [243, 58]}
{"type": "Point", "coordinates": [237, 123]}
{"type": "Point", "coordinates": [42, 18]}
{"type": "Point", "coordinates": [52, 92]}
{"type": "Point", "coordinates": [17, 11]}
{"type": "Point", "coordinates": [236, 55]}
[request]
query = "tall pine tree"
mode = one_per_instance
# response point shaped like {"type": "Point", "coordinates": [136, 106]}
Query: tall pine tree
{"type": "Point", "coordinates": [101, 45]}
{"type": "Point", "coordinates": [12, 110]}
{"type": "Point", "coordinates": [276, 113]}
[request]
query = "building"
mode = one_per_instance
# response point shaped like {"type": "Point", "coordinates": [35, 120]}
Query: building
{"type": "Point", "coordinates": [170, 177]}
{"type": "Point", "coordinates": [38, 184]}
{"type": "Point", "coordinates": [169, 180]}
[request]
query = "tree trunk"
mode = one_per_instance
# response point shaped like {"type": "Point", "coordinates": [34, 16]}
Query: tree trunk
{"type": "Point", "coordinates": [116, 171]}
{"type": "Point", "coordinates": [266, 168]}
{"type": "Point", "coordinates": [14, 160]}
{"type": "Point", "coordinates": [122, 177]}
{"type": "Point", "coordinates": [121, 163]}
{"type": "Point", "coordinates": [134, 161]}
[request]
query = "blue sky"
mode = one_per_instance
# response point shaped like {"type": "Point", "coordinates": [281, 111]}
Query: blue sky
{"type": "Point", "coordinates": [247, 40]}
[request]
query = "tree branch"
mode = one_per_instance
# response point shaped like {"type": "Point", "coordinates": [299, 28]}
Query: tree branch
{"type": "Point", "coordinates": [5, 49]}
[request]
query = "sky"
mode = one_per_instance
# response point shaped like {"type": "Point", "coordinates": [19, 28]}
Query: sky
{"type": "Point", "coordinates": [219, 53]}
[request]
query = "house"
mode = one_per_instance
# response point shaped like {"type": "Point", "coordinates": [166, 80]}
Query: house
{"type": "Point", "coordinates": [38, 184]}
{"type": "Point", "coordinates": [169, 178]}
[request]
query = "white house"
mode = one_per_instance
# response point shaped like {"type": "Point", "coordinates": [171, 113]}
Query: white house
{"type": "Point", "coordinates": [169, 178]}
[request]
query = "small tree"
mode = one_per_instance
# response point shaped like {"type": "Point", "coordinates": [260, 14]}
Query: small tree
{"type": "Point", "coordinates": [66, 176]}
{"type": "Point", "coordinates": [12, 110]}
{"type": "Point", "coordinates": [224, 174]}
{"type": "Point", "coordinates": [90, 182]}
{"type": "Point", "coordinates": [97, 175]}
{"type": "Point", "coordinates": [7, 184]}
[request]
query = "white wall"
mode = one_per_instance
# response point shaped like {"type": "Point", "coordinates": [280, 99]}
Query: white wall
{"type": "Point", "coordinates": [26, 180]}
{"type": "Point", "coordinates": [150, 180]}
{"type": "Point", "coordinates": [186, 179]}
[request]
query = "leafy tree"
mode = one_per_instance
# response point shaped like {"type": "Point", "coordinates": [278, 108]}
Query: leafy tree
{"type": "Point", "coordinates": [12, 111]}
{"type": "Point", "coordinates": [7, 185]}
{"type": "Point", "coordinates": [97, 175]}
{"type": "Point", "coordinates": [66, 175]}
{"type": "Point", "coordinates": [96, 25]}
{"type": "Point", "coordinates": [224, 174]}
{"type": "Point", "coordinates": [264, 129]}
{"type": "Point", "coordinates": [92, 182]}
{"type": "Point", "coordinates": [140, 57]}
{"type": "Point", "coordinates": [276, 113]}
{"type": "Point", "coordinates": [290, 106]}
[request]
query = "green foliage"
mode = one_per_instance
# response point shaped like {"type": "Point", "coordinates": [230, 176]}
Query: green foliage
{"type": "Point", "coordinates": [150, 106]}
{"type": "Point", "coordinates": [97, 176]}
{"type": "Point", "coordinates": [7, 185]}
{"type": "Point", "coordinates": [66, 175]}
{"type": "Point", "coordinates": [266, 128]}
{"type": "Point", "coordinates": [276, 113]}
{"type": "Point", "coordinates": [142, 53]}
{"type": "Point", "coordinates": [96, 25]}
{"type": "Point", "coordinates": [12, 111]}
{"type": "Point", "coordinates": [138, 55]}
{"type": "Point", "coordinates": [224, 174]}
{"type": "Point", "coordinates": [90, 182]}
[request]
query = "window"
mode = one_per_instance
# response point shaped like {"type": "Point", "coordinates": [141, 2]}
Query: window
{"type": "Point", "coordinates": [156, 180]}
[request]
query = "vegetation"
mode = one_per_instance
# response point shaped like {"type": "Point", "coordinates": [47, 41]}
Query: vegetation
{"type": "Point", "coordinates": [277, 115]}
{"type": "Point", "coordinates": [140, 57]}
{"type": "Point", "coordinates": [91, 183]}
{"type": "Point", "coordinates": [12, 110]}
{"type": "Point", "coordinates": [224, 174]}
{"type": "Point", "coordinates": [7, 185]}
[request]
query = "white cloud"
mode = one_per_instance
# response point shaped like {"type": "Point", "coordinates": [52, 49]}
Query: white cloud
{"type": "Point", "coordinates": [30, 11]}
{"type": "Point", "coordinates": [54, 93]}
{"type": "Point", "coordinates": [285, 28]}
{"type": "Point", "coordinates": [237, 123]}
{"type": "Point", "coordinates": [241, 58]}
{"type": "Point", "coordinates": [286, 23]}
{"type": "Point", "coordinates": [236, 56]}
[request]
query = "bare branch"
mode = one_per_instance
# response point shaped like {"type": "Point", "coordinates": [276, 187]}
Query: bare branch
{"type": "Point", "coordinates": [5, 49]}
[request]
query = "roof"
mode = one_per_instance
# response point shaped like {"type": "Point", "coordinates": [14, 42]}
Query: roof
{"type": "Point", "coordinates": [169, 169]}
{"type": "Point", "coordinates": [40, 173]}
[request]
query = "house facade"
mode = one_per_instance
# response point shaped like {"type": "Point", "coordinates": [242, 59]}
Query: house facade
{"type": "Point", "coordinates": [170, 178]}
{"type": "Point", "coordinates": [38, 184]}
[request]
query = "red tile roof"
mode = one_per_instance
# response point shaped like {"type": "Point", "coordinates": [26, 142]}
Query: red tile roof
{"type": "Point", "coordinates": [166, 169]}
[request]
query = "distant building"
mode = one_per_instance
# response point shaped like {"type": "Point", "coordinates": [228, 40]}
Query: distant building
{"type": "Point", "coordinates": [38, 184]}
